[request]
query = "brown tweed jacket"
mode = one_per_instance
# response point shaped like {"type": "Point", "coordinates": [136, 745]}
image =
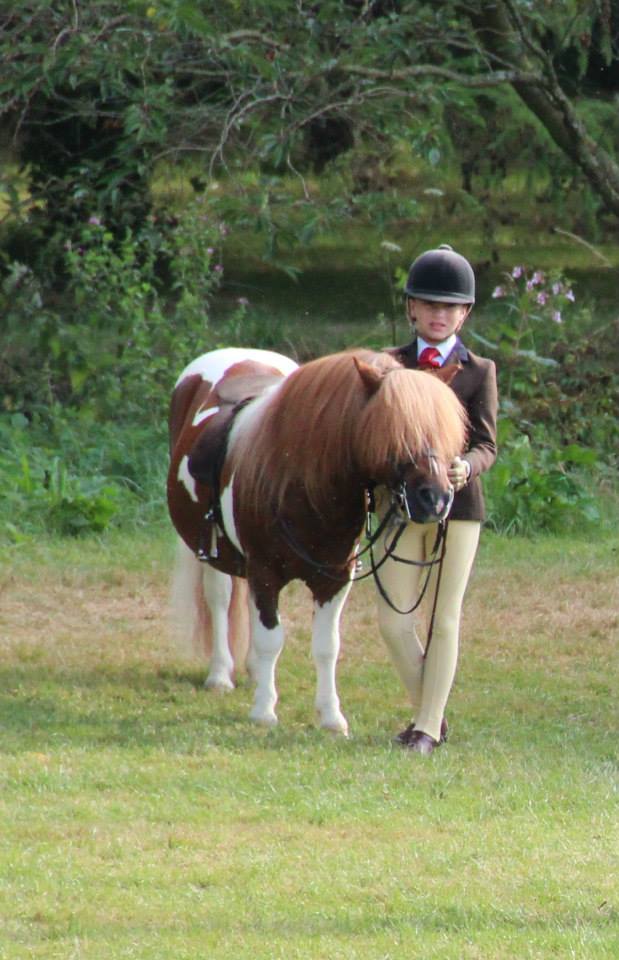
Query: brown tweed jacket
{"type": "Point", "coordinates": [476, 388]}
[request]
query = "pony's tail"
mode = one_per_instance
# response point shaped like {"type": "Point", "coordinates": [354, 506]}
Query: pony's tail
{"type": "Point", "coordinates": [238, 623]}
{"type": "Point", "coordinates": [190, 619]}
{"type": "Point", "coordinates": [190, 616]}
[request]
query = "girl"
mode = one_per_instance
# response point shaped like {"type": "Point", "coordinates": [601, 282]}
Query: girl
{"type": "Point", "coordinates": [440, 295]}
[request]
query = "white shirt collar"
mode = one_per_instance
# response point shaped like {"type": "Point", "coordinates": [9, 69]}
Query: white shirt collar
{"type": "Point", "coordinates": [444, 348]}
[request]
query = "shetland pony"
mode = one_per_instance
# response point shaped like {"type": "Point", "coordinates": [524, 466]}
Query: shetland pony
{"type": "Point", "coordinates": [271, 465]}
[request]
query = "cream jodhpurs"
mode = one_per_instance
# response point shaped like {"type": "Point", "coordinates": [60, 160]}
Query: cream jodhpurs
{"type": "Point", "coordinates": [428, 680]}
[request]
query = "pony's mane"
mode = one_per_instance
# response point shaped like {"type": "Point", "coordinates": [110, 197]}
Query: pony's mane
{"type": "Point", "coordinates": [412, 412]}
{"type": "Point", "coordinates": [320, 428]}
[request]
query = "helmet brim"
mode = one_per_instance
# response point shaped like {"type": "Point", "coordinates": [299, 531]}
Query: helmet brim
{"type": "Point", "coordinates": [438, 297]}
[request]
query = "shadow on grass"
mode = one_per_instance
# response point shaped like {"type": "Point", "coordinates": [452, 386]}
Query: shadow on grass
{"type": "Point", "coordinates": [133, 707]}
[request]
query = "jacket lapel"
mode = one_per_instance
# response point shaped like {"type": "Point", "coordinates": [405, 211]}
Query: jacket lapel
{"type": "Point", "coordinates": [459, 354]}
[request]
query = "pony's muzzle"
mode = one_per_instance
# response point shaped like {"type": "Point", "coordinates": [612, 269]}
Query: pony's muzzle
{"type": "Point", "coordinates": [428, 503]}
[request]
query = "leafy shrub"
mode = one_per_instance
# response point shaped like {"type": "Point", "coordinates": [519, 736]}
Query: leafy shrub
{"type": "Point", "coordinates": [69, 479]}
{"type": "Point", "coordinates": [557, 364]}
{"type": "Point", "coordinates": [535, 486]}
{"type": "Point", "coordinates": [558, 432]}
{"type": "Point", "coordinates": [247, 325]}
{"type": "Point", "coordinates": [41, 493]}
{"type": "Point", "coordinates": [112, 341]}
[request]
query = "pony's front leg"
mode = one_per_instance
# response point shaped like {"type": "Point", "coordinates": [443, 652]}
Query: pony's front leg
{"type": "Point", "coordinates": [267, 638]}
{"type": "Point", "coordinates": [218, 593]}
{"type": "Point", "coordinates": [325, 650]}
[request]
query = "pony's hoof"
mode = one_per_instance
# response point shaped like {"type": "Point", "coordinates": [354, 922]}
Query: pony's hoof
{"type": "Point", "coordinates": [421, 743]}
{"type": "Point", "coordinates": [219, 684]}
{"type": "Point", "coordinates": [264, 718]}
{"type": "Point", "coordinates": [337, 725]}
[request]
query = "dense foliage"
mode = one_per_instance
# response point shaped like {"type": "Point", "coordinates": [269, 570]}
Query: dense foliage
{"type": "Point", "coordinates": [92, 96]}
{"type": "Point", "coordinates": [558, 432]}
{"type": "Point", "coordinates": [283, 122]}
{"type": "Point", "coordinates": [99, 457]}
{"type": "Point", "coordinates": [107, 344]}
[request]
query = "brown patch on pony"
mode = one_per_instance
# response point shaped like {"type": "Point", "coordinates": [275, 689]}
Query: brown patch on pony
{"type": "Point", "coordinates": [327, 428]}
{"type": "Point", "coordinates": [183, 404]}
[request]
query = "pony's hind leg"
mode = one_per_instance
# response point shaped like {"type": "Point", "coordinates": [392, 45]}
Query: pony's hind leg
{"type": "Point", "coordinates": [325, 650]}
{"type": "Point", "coordinates": [267, 641]}
{"type": "Point", "coordinates": [218, 595]}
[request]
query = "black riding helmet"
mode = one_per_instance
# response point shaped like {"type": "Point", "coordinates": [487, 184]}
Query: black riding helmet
{"type": "Point", "coordinates": [441, 275]}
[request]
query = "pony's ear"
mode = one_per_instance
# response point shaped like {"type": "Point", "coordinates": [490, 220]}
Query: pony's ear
{"type": "Point", "coordinates": [447, 372]}
{"type": "Point", "coordinates": [372, 378]}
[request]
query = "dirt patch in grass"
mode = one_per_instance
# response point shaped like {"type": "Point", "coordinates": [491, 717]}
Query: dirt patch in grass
{"type": "Point", "coordinates": [62, 614]}
{"type": "Point", "coordinates": [60, 622]}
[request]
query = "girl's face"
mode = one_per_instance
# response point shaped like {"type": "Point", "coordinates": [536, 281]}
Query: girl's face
{"type": "Point", "coordinates": [434, 322]}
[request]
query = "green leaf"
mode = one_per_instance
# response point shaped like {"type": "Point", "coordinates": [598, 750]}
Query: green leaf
{"type": "Point", "coordinates": [581, 455]}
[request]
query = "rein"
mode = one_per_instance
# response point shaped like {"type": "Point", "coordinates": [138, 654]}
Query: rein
{"type": "Point", "coordinates": [324, 568]}
{"type": "Point", "coordinates": [372, 538]}
{"type": "Point", "coordinates": [436, 558]}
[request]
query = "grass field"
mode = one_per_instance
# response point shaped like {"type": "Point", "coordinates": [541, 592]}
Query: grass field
{"type": "Point", "coordinates": [144, 818]}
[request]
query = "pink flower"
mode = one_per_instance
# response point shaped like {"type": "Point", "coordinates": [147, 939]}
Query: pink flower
{"type": "Point", "coordinates": [94, 221]}
{"type": "Point", "coordinates": [498, 292]}
{"type": "Point", "coordinates": [542, 297]}
{"type": "Point", "coordinates": [210, 251]}
{"type": "Point", "coordinates": [219, 268]}
{"type": "Point", "coordinates": [538, 277]}
{"type": "Point", "coordinates": [242, 301]}
{"type": "Point", "coordinates": [517, 273]}
{"type": "Point", "coordinates": [570, 296]}
{"type": "Point", "coordinates": [556, 316]}
{"type": "Point", "coordinates": [556, 288]}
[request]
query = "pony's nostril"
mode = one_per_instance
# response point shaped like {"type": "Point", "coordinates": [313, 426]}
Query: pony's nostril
{"type": "Point", "coordinates": [428, 498]}
{"type": "Point", "coordinates": [429, 503]}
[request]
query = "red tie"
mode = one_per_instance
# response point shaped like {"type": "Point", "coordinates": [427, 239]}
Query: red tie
{"type": "Point", "coordinates": [429, 357]}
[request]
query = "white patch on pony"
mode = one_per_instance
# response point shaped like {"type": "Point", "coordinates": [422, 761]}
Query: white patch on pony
{"type": "Point", "coordinates": [227, 514]}
{"type": "Point", "coordinates": [212, 366]}
{"type": "Point", "coordinates": [325, 651]}
{"type": "Point", "coordinates": [201, 415]}
{"type": "Point", "coordinates": [267, 646]}
{"type": "Point", "coordinates": [184, 477]}
{"type": "Point", "coordinates": [244, 421]}
{"type": "Point", "coordinates": [218, 595]}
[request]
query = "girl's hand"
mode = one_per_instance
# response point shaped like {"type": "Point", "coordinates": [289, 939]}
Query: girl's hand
{"type": "Point", "coordinates": [459, 473]}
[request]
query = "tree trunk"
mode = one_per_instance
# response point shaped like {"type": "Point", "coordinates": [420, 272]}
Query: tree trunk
{"type": "Point", "coordinates": [503, 36]}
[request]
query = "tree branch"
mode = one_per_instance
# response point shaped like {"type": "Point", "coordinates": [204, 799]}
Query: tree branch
{"type": "Point", "coordinates": [479, 81]}
{"type": "Point", "coordinates": [240, 36]}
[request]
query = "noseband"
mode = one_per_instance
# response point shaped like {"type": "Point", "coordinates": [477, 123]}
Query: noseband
{"type": "Point", "coordinates": [398, 491]}
{"type": "Point", "coordinates": [398, 513]}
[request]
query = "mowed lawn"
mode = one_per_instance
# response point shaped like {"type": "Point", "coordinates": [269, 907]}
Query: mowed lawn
{"type": "Point", "coordinates": [141, 817]}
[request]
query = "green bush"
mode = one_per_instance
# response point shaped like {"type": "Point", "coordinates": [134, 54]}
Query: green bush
{"type": "Point", "coordinates": [557, 362]}
{"type": "Point", "coordinates": [130, 314]}
{"type": "Point", "coordinates": [70, 478]}
{"type": "Point", "coordinates": [558, 430]}
{"type": "Point", "coordinates": [536, 487]}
